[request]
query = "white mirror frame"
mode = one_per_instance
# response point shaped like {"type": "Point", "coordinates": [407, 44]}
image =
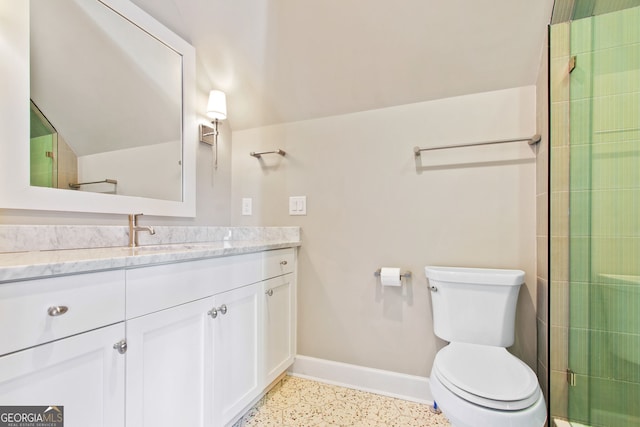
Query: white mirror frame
{"type": "Point", "coordinates": [15, 189]}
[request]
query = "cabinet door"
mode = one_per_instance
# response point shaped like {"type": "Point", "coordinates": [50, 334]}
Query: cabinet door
{"type": "Point", "coordinates": [236, 345]}
{"type": "Point", "coordinates": [168, 377]}
{"type": "Point", "coordinates": [82, 373]}
{"type": "Point", "coordinates": [279, 325]}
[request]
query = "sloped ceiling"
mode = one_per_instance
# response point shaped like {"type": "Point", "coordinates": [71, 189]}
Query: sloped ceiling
{"type": "Point", "coordinates": [289, 60]}
{"type": "Point", "coordinates": [91, 82]}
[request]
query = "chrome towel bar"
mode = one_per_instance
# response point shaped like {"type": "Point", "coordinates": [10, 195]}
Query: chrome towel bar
{"type": "Point", "coordinates": [533, 140]}
{"type": "Point", "coordinates": [78, 184]}
{"type": "Point", "coordinates": [258, 155]}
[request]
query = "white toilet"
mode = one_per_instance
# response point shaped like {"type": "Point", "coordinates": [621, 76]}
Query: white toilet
{"type": "Point", "coordinates": [475, 381]}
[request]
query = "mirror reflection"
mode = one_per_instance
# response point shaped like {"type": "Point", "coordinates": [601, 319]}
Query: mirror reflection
{"type": "Point", "coordinates": [106, 103]}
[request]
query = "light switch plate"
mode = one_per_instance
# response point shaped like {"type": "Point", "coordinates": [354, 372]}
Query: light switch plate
{"type": "Point", "coordinates": [298, 205]}
{"type": "Point", "coordinates": [246, 206]}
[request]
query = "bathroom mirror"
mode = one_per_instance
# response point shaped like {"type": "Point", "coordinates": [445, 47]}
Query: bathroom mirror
{"type": "Point", "coordinates": [111, 91]}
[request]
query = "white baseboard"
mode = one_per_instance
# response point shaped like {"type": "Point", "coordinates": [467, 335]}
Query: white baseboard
{"type": "Point", "coordinates": [387, 383]}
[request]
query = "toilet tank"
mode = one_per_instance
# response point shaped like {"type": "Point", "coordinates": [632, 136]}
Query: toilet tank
{"type": "Point", "coordinates": [474, 305]}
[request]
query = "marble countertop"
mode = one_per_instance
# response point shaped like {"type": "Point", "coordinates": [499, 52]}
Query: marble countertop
{"type": "Point", "coordinates": [46, 263]}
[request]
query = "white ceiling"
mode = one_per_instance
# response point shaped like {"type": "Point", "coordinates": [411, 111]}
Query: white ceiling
{"type": "Point", "coordinates": [288, 60]}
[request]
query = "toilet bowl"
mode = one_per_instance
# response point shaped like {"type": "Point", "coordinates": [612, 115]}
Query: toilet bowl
{"type": "Point", "coordinates": [475, 381]}
{"type": "Point", "coordinates": [477, 385]}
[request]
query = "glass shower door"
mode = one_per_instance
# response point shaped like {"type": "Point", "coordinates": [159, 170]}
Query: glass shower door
{"type": "Point", "coordinates": [604, 200]}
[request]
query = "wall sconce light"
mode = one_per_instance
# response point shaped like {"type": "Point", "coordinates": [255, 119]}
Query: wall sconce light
{"type": "Point", "coordinates": [216, 110]}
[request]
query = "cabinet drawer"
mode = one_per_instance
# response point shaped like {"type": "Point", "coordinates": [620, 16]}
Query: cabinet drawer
{"type": "Point", "coordinates": [28, 307]}
{"type": "Point", "coordinates": [158, 287]}
{"type": "Point", "coordinates": [278, 262]}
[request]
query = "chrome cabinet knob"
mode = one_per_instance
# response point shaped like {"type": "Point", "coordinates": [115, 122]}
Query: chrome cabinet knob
{"type": "Point", "coordinates": [269, 292]}
{"type": "Point", "coordinates": [121, 346]}
{"type": "Point", "coordinates": [283, 263]}
{"type": "Point", "coordinates": [57, 310]}
{"type": "Point", "coordinates": [214, 311]}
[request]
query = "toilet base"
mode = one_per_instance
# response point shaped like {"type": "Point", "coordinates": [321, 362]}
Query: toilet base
{"type": "Point", "coordinates": [462, 413]}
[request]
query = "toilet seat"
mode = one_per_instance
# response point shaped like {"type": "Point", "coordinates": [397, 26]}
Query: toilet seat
{"type": "Point", "coordinates": [487, 376]}
{"type": "Point", "coordinates": [462, 413]}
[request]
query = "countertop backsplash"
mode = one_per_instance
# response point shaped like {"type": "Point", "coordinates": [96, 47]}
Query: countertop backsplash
{"type": "Point", "coordinates": [25, 238]}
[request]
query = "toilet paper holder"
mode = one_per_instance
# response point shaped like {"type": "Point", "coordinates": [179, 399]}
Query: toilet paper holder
{"type": "Point", "coordinates": [405, 275]}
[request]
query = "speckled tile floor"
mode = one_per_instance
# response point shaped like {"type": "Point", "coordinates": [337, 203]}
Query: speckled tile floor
{"type": "Point", "coordinates": [298, 402]}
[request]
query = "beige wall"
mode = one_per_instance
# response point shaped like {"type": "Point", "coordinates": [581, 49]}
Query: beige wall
{"type": "Point", "coordinates": [372, 204]}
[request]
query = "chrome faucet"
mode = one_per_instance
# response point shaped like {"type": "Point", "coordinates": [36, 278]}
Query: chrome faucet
{"type": "Point", "coordinates": [134, 228]}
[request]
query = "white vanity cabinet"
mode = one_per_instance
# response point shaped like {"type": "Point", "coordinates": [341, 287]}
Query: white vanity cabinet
{"type": "Point", "coordinates": [168, 367]}
{"type": "Point", "coordinates": [83, 374]}
{"type": "Point", "coordinates": [237, 351]}
{"type": "Point", "coordinates": [61, 346]}
{"type": "Point", "coordinates": [190, 343]}
{"type": "Point", "coordinates": [198, 338]}
{"type": "Point", "coordinates": [279, 325]}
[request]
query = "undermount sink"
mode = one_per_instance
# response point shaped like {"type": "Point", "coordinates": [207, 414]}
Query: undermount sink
{"type": "Point", "coordinates": [175, 247]}
{"type": "Point", "coordinates": [150, 249]}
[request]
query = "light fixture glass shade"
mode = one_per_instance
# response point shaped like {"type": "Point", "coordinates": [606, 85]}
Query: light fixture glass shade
{"type": "Point", "coordinates": [217, 106]}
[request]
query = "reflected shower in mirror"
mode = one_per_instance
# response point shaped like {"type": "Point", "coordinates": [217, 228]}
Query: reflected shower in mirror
{"type": "Point", "coordinates": [106, 103]}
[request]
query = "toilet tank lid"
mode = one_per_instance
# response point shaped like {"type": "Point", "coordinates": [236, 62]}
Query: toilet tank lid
{"type": "Point", "coordinates": [484, 276]}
